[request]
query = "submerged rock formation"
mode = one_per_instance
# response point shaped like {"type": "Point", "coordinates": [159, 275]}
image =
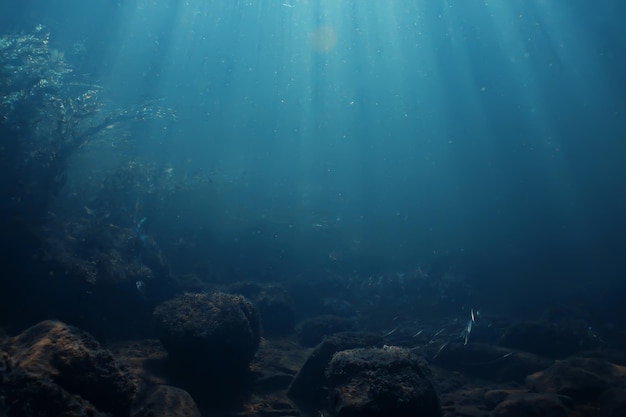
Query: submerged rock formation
{"type": "Point", "coordinates": [390, 381]}
{"type": "Point", "coordinates": [53, 369]}
{"type": "Point", "coordinates": [208, 330]}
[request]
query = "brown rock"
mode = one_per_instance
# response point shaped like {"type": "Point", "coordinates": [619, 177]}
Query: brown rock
{"type": "Point", "coordinates": [489, 362]}
{"type": "Point", "coordinates": [496, 396]}
{"type": "Point", "coordinates": [372, 382]}
{"type": "Point", "coordinates": [309, 387]}
{"type": "Point", "coordinates": [167, 401]}
{"type": "Point", "coordinates": [571, 379]}
{"type": "Point", "coordinates": [56, 354]}
{"type": "Point", "coordinates": [531, 405]}
{"type": "Point", "coordinates": [202, 331]}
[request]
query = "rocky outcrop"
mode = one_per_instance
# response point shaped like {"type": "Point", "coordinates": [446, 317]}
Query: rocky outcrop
{"type": "Point", "coordinates": [309, 387]}
{"type": "Point", "coordinates": [372, 382]}
{"type": "Point", "coordinates": [207, 330]}
{"type": "Point", "coordinates": [53, 369]}
{"type": "Point", "coordinates": [584, 379]}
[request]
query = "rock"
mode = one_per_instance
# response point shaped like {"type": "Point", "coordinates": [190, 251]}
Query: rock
{"type": "Point", "coordinates": [583, 379]}
{"type": "Point", "coordinates": [24, 395]}
{"type": "Point", "coordinates": [104, 262]}
{"type": "Point", "coordinates": [531, 405]}
{"type": "Point", "coordinates": [496, 396]}
{"type": "Point", "coordinates": [549, 339]}
{"type": "Point", "coordinates": [613, 373]}
{"type": "Point", "coordinates": [312, 331]}
{"type": "Point", "coordinates": [613, 402]}
{"type": "Point", "coordinates": [274, 304]}
{"type": "Point", "coordinates": [488, 361]}
{"type": "Point", "coordinates": [274, 408]}
{"type": "Point", "coordinates": [308, 388]}
{"type": "Point", "coordinates": [202, 331]}
{"type": "Point", "coordinates": [166, 401]}
{"type": "Point", "coordinates": [69, 367]}
{"type": "Point", "coordinates": [390, 381]}
{"type": "Point", "coordinates": [273, 382]}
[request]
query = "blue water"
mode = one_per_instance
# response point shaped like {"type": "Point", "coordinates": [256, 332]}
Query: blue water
{"type": "Point", "coordinates": [370, 137]}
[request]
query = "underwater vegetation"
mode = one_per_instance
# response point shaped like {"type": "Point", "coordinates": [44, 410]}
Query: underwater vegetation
{"type": "Point", "coordinates": [48, 115]}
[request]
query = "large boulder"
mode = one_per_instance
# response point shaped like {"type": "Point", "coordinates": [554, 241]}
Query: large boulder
{"type": "Point", "coordinates": [309, 387]}
{"type": "Point", "coordinates": [373, 382]}
{"type": "Point", "coordinates": [583, 379]}
{"type": "Point", "coordinates": [53, 369]}
{"type": "Point", "coordinates": [204, 331]}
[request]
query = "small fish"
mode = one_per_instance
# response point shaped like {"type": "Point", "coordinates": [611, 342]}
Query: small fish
{"type": "Point", "coordinates": [439, 332]}
{"type": "Point", "coordinates": [141, 287]}
{"type": "Point", "coordinates": [389, 333]}
{"type": "Point", "coordinates": [288, 5]}
{"type": "Point", "coordinates": [440, 349]}
{"type": "Point", "coordinates": [418, 333]}
{"type": "Point", "coordinates": [139, 224]}
{"type": "Point", "coordinates": [467, 331]}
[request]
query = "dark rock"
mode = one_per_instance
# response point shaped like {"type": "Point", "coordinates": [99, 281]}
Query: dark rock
{"type": "Point", "coordinates": [205, 330]}
{"type": "Point", "coordinates": [274, 304]}
{"type": "Point", "coordinates": [614, 374]}
{"type": "Point", "coordinates": [25, 395]}
{"type": "Point", "coordinates": [583, 379]}
{"type": "Point", "coordinates": [166, 401]}
{"type": "Point", "coordinates": [496, 396]}
{"type": "Point", "coordinates": [103, 262]}
{"type": "Point", "coordinates": [613, 402]}
{"type": "Point", "coordinates": [390, 381]}
{"type": "Point", "coordinates": [488, 361]}
{"type": "Point", "coordinates": [68, 366]}
{"type": "Point", "coordinates": [531, 405]}
{"type": "Point", "coordinates": [309, 385]}
{"type": "Point", "coordinates": [273, 382]}
{"type": "Point", "coordinates": [549, 339]}
{"type": "Point", "coordinates": [276, 408]}
{"type": "Point", "coordinates": [312, 331]}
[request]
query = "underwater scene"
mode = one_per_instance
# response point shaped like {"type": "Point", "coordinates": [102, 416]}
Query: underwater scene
{"type": "Point", "coordinates": [314, 208]}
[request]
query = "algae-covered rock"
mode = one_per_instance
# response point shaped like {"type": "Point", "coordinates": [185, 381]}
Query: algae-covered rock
{"type": "Point", "coordinates": [391, 381]}
{"type": "Point", "coordinates": [205, 330]}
